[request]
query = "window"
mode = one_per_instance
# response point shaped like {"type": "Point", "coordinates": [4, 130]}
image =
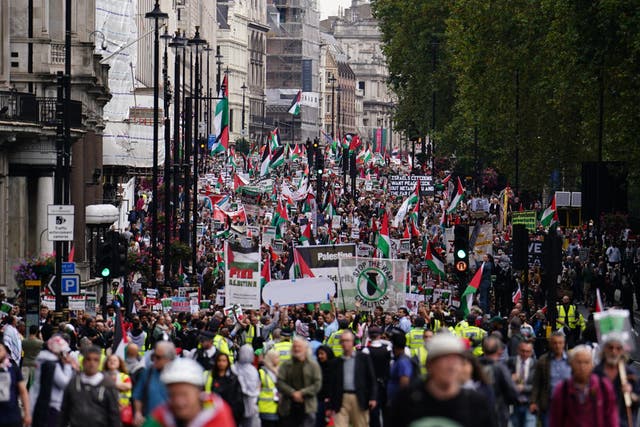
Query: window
{"type": "Point", "coordinates": [231, 120]}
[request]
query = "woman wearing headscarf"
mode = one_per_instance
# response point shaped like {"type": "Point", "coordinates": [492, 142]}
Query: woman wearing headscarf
{"type": "Point", "coordinates": [249, 384]}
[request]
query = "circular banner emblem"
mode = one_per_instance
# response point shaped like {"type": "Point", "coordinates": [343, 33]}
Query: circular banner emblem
{"type": "Point", "coordinates": [372, 284]}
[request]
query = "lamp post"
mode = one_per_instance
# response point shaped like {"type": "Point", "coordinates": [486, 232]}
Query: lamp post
{"type": "Point", "coordinates": [208, 114]}
{"type": "Point", "coordinates": [196, 42]}
{"type": "Point", "coordinates": [156, 15]}
{"type": "Point", "coordinates": [244, 89]}
{"type": "Point", "coordinates": [166, 37]}
{"type": "Point", "coordinates": [219, 64]}
{"type": "Point", "coordinates": [177, 44]}
{"type": "Point", "coordinates": [264, 104]}
{"type": "Point", "coordinates": [332, 80]}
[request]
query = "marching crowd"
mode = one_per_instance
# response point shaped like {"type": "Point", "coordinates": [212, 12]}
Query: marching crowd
{"type": "Point", "coordinates": [502, 364]}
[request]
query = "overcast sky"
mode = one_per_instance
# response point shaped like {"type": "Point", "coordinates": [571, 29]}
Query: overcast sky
{"type": "Point", "coordinates": [330, 7]}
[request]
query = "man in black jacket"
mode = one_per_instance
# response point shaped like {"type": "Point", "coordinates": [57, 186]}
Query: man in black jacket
{"type": "Point", "coordinates": [354, 388]}
{"type": "Point", "coordinates": [90, 397]}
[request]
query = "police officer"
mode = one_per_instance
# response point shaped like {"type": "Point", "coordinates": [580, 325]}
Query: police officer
{"type": "Point", "coordinates": [570, 319]}
{"type": "Point", "coordinates": [334, 339]}
{"type": "Point", "coordinates": [283, 346]}
{"type": "Point", "coordinates": [474, 334]}
{"type": "Point", "coordinates": [205, 351]}
{"type": "Point", "coordinates": [414, 336]}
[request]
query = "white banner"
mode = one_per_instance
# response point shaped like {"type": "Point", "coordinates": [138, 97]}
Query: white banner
{"type": "Point", "coordinates": [242, 275]}
{"type": "Point", "coordinates": [372, 282]}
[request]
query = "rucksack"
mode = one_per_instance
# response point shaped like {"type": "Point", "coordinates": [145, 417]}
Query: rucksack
{"type": "Point", "coordinates": [205, 361]}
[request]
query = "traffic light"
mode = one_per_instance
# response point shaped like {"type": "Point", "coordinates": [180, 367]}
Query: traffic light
{"type": "Point", "coordinates": [316, 143]}
{"type": "Point", "coordinates": [104, 257]}
{"type": "Point", "coordinates": [120, 259]}
{"type": "Point", "coordinates": [461, 248]}
{"type": "Point", "coordinates": [319, 163]}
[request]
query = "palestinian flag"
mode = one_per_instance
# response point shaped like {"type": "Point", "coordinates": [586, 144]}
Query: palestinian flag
{"type": "Point", "coordinates": [406, 234]}
{"type": "Point", "coordinates": [274, 139]}
{"type": "Point", "coordinates": [220, 265]}
{"type": "Point", "coordinates": [238, 182]}
{"type": "Point", "coordinates": [472, 288]}
{"type": "Point", "coordinates": [266, 159]}
{"type": "Point", "coordinates": [434, 260]}
{"type": "Point", "coordinates": [221, 120]}
{"type": "Point", "coordinates": [414, 198]}
{"type": "Point", "coordinates": [294, 108]}
{"type": "Point", "coordinates": [330, 210]}
{"type": "Point", "coordinates": [265, 273]}
{"type": "Point", "coordinates": [306, 237]}
{"type": "Point", "coordinates": [355, 143]}
{"type": "Point", "coordinates": [599, 304]}
{"type": "Point", "coordinates": [517, 295]}
{"type": "Point", "coordinates": [415, 232]}
{"type": "Point", "coordinates": [277, 157]}
{"type": "Point", "coordinates": [241, 258]}
{"type": "Point", "coordinates": [280, 215]}
{"type": "Point", "coordinates": [219, 183]}
{"type": "Point", "coordinates": [296, 153]}
{"type": "Point", "coordinates": [550, 215]}
{"type": "Point", "coordinates": [384, 242]}
{"type": "Point", "coordinates": [457, 198]}
{"type": "Point", "coordinates": [301, 269]}
{"type": "Point", "coordinates": [120, 338]}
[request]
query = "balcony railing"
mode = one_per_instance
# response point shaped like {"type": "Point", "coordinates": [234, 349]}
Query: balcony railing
{"type": "Point", "coordinates": [26, 107]}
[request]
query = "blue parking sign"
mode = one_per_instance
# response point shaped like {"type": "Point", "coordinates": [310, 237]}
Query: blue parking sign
{"type": "Point", "coordinates": [70, 284]}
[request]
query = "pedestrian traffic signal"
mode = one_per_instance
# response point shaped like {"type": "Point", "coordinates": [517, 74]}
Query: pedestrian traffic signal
{"type": "Point", "coordinates": [461, 248]}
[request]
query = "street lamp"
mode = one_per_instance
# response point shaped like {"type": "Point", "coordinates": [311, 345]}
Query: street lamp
{"type": "Point", "coordinates": [333, 80]}
{"type": "Point", "coordinates": [219, 64]}
{"type": "Point", "coordinates": [177, 44]}
{"type": "Point", "coordinates": [264, 104]}
{"type": "Point", "coordinates": [166, 37]}
{"type": "Point", "coordinates": [244, 89]}
{"type": "Point", "coordinates": [196, 42]}
{"type": "Point", "coordinates": [157, 16]}
{"type": "Point", "coordinates": [208, 114]}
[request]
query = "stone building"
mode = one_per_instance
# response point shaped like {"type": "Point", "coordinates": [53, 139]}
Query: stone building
{"type": "Point", "coordinates": [359, 36]}
{"type": "Point", "coordinates": [32, 51]}
{"type": "Point", "coordinates": [293, 54]}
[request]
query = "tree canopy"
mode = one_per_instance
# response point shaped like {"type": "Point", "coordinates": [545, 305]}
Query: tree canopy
{"type": "Point", "coordinates": [527, 73]}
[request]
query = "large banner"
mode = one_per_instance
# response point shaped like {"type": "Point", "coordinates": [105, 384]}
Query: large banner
{"type": "Point", "coordinates": [372, 282]}
{"type": "Point", "coordinates": [403, 185]}
{"type": "Point", "coordinates": [323, 260]}
{"type": "Point", "coordinates": [242, 274]}
{"type": "Point", "coordinates": [526, 218]}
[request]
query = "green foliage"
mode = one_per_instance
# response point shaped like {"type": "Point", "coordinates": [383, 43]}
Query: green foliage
{"type": "Point", "coordinates": [550, 55]}
{"type": "Point", "coordinates": [243, 146]}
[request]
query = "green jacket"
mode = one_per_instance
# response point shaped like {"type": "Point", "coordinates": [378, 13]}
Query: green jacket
{"type": "Point", "coordinates": [312, 377]}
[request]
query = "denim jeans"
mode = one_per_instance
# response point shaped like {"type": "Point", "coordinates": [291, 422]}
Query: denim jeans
{"type": "Point", "coordinates": [521, 417]}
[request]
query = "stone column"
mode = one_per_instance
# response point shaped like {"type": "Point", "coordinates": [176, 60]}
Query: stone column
{"type": "Point", "coordinates": [44, 198]}
{"type": "Point", "coordinates": [4, 215]}
{"type": "Point", "coordinates": [18, 218]}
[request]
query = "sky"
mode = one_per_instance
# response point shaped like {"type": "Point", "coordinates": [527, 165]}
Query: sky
{"type": "Point", "coordinates": [330, 7]}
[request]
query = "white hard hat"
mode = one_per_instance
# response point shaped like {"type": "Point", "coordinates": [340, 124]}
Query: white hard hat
{"type": "Point", "coordinates": [183, 371]}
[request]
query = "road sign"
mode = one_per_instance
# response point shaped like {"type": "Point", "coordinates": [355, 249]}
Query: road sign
{"type": "Point", "coordinates": [30, 283]}
{"type": "Point", "coordinates": [60, 222]}
{"type": "Point", "coordinates": [70, 284]}
{"type": "Point", "coordinates": [68, 268]}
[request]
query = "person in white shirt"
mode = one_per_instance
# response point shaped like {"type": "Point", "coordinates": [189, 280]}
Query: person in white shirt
{"type": "Point", "coordinates": [12, 339]}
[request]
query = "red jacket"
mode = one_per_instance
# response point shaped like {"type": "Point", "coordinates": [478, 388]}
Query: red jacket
{"type": "Point", "coordinates": [215, 413]}
{"type": "Point", "coordinates": [597, 409]}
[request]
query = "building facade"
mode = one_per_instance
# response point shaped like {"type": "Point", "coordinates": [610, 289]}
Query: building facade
{"type": "Point", "coordinates": [293, 56]}
{"type": "Point", "coordinates": [359, 36]}
{"type": "Point", "coordinates": [32, 51]}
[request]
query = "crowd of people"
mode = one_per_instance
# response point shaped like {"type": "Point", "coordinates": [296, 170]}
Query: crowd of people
{"type": "Point", "coordinates": [503, 363]}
